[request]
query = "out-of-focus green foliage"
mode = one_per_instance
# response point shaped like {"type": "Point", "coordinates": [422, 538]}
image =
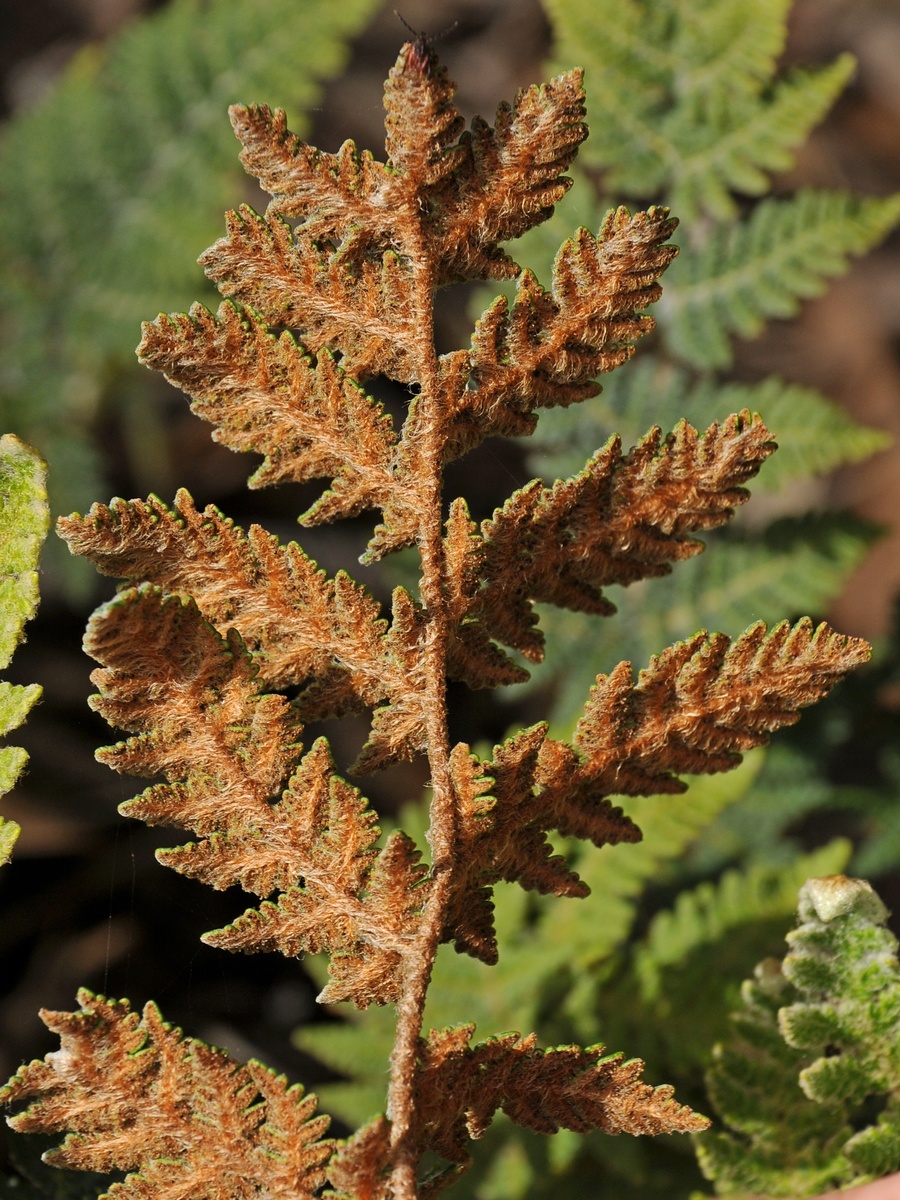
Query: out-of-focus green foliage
{"type": "Point", "coordinates": [693, 108]}
{"type": "Point", "coordinates": [111, 187]}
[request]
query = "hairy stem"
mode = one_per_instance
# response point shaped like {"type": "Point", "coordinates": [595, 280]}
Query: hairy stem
{"type": "Point", "coordinates": [442, 823]}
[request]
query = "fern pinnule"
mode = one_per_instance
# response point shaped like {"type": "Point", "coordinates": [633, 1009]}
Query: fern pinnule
{"type": "Point", "coordinates": [184, 1117]}
{"type": "Point", "coordinates": [506, 806]}
{"type": "Point", "coordinates": [702, 701]}
{"type": "Point", "coordinates": [544, 1090]}
{"type": "Point", "coordinates": [621, 519]}
{"type": "Point", "coordinates": [503, 836]}
{"type": "Point", "coordinates": [339, 651]}
{"type": "Point", "coordinates": [345, 305]}
{"type": "Point", "coordinates": [504, 187]}
{"type": "Point", "coordinates": [264, 393]}
{"type": "Point", "coordinates": [365, 911]}
{"type": "Point", "coordinates": [691, 712]}
{"type": "Point", "coordinates": [192, 698]}
{"type": "Point", "coordinates": [320, 831]}
{"type": "Point", "coordinates": [472, 654]}
{"type": "Point", "coordinates": [460, 1088]}
{"type": "Point", "coordinates": [549, 347]}
{"type": "Point", "coordinates": [246, 581]}
{"type": "Point", "coordinates": [361, 1165]}
{"type": "Point", "coordinates": [328, 191]}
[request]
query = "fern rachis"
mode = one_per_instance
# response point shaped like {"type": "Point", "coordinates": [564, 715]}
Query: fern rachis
{"type": "Point", "coordinates": [215, 625]}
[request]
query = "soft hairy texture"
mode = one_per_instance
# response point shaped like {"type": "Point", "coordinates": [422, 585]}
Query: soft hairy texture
{"type": "Point", "coordinates": [222, 642]}
{"type": "Point", "coordinates": [184, 1117]}
{"type": "Point", "coordinates": [808, 1082]}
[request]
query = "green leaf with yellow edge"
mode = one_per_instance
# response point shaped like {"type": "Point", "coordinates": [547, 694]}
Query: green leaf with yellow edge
{"type": "Point", "coordinates": [24, 520]}
{"type": "Point", "coordinates": [9, 832]}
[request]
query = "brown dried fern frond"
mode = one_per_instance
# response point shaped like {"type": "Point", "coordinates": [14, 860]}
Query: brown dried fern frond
{"type": "Point", "coordinates": [184, 1118]}
{"type": "Point", "coordinates": [226, 749]}
{"type": "Point", "coordinates": [322, 636]}
{"type": "Point", "coordinates": [334, 284]}
{"type": "Point", "coordinates": [621, 519]}
{"type": "Point", "coordinates": [461, 1087]}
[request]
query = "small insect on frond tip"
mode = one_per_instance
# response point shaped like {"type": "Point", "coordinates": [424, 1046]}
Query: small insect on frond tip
{"type": "Point", "coordinates": [420, 57]}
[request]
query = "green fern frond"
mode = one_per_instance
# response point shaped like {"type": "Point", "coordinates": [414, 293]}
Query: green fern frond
{"type": "Point", "coordinates": [756, 829]}
{"type": "Point", "coordinates": [126, 167]}
{"type": "Point", "coordinates": [705, 113]}
{"type": "Point", "coordinates": [808, 1081]}
{"type": "Point", "coordinates": [797, 562]}
{"type": "Point", "coordinates": [880, 813]}
{"type": "Point", "coordinates": [708, 915]}
{"type": "Point", "coordinates": [814, 434]}
{"type": "Point", "coordinates": [732, 148]}
{"type": "Point", "coordinates": [669, 828]}
{"type": "Point", "coordinates": [660, 997]}
{"type": "Point", "coordinates": [665, 52]}
{"type": "Point", "coordinates": [746, 273]}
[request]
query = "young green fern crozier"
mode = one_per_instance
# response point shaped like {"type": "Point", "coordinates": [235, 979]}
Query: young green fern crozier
{"type": "Point", "coordinates": [215, 625]}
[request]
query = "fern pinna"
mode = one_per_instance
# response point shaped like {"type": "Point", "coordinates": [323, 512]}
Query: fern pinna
{"type": "Point", "coordinates": [215, 625]}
